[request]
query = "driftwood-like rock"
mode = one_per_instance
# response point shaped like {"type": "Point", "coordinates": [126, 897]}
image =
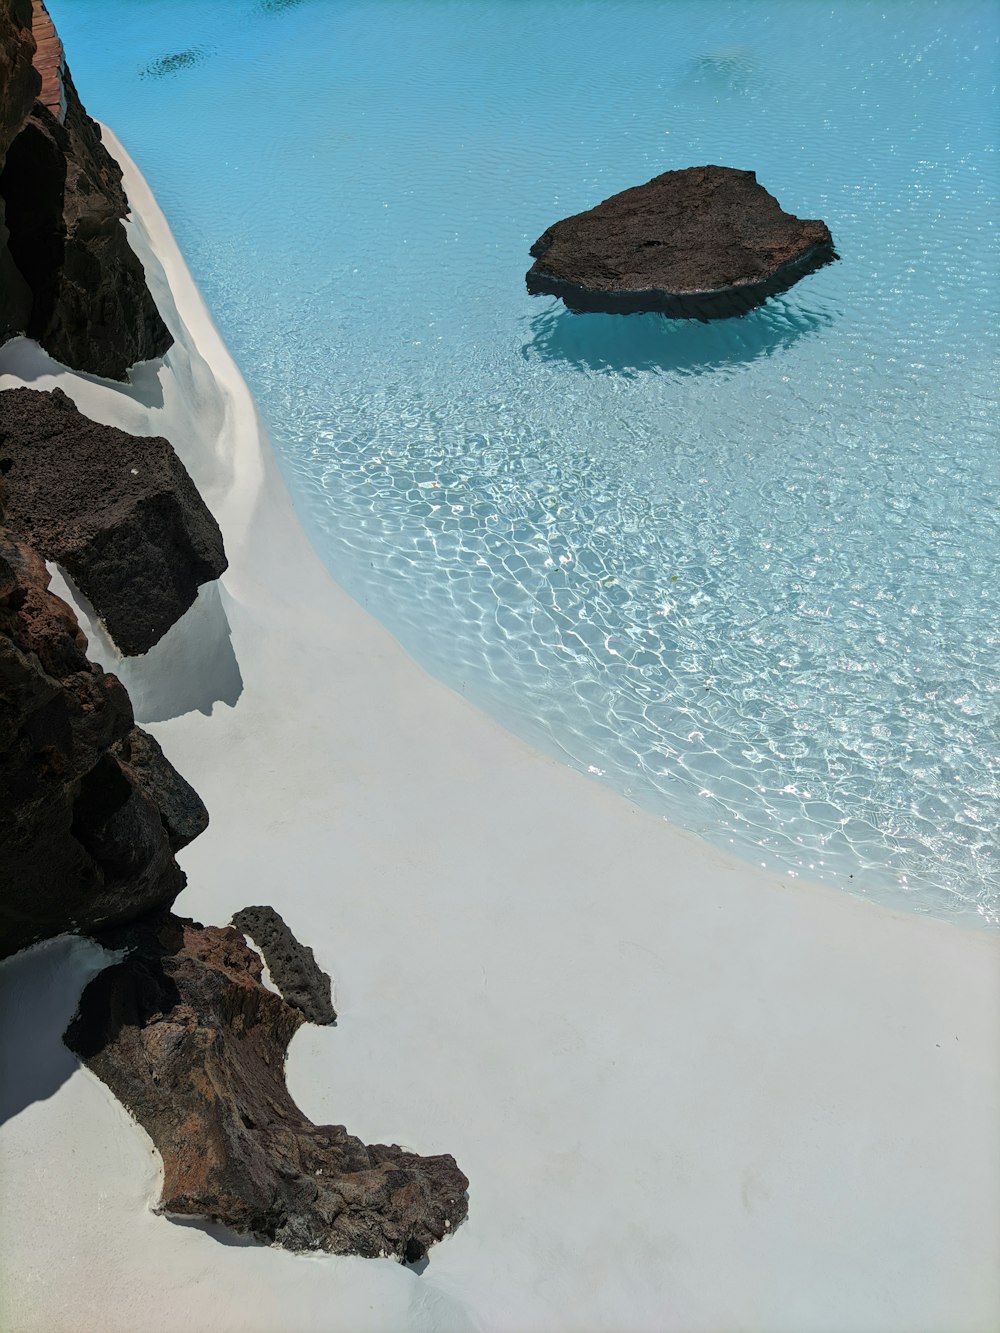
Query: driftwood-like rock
{"type": "Point", "coordinates": [191, 1042]}
{"type": "Point", "coordinates": [703, 243]}
{"type": "Point", "coordinates": [293, 967]}
{"type": "Point", "coordinates": [89, 806]}
{"type": "Point", "coordinates": [73, 281]}
{"type": "Point", "coordinates": [118, 512]}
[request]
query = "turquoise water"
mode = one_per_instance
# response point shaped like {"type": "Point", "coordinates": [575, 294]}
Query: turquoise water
{"type": "Point", "coordinates": [745, 572]}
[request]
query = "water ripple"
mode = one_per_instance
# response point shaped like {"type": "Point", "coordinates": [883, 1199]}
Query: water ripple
{"type": "Point", "coordinates": [744, 572]}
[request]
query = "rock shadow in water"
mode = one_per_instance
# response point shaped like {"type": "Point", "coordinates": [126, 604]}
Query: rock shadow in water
{"type": "Point", "coordinates": [630, 345]}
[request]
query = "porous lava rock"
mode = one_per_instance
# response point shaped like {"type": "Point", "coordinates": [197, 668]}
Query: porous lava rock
{"type": "Point", "coordinates": [91, 812]}
{"type": "Point", "coordinates": [71, 279]}
{"type": "Point", "coordinates": [190, 1041]}
{"type": "Point", "coordinates": [703, 243]}
{"type": "Point", "coordinates": [293, 967]}
{"type": "Point", "coordinates": [118, 512]}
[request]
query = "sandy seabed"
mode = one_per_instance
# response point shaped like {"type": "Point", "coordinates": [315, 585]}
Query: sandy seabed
{"type": "Point", "coordinates": [689, 1094]}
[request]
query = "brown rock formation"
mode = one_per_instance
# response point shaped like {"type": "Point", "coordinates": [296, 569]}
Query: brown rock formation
{"type": "Point", "coordinates": [703, 243]}
{"type": "Point", "coordinates": [119, 512]}
{"type": "Point", "coordinates": [70, 278]}
{"type": "Point", "coordinates": [189, 1040]}
{"type": "Point", "coordinates": [19, 80]}
{"type": "Point", "coordinates": [49, 61]}
{"type": "Point", "coordinates": [293, 967]}
{"type": "Point", "coordinates": [90, 811]}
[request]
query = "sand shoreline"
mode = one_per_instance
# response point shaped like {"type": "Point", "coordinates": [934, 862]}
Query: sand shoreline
{"type": "Point", "coordinates": [689, 1094]}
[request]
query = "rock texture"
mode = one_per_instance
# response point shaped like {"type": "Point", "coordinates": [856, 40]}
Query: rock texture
{"type": "Point", "coordinates": [49, 61]}
{"type": "Point", "coordinates": [70, 278]}
{"type": "Point", "coordinates": [90, 811]}
{"type": "Point", "coordinates": [703, 243]}
{"type": "Point", "coordinates": [118, 512]}
{"type": "Point", "coordinates": [189, 1040]}
{"type": "Point", "coordinates": [19, 86]}
{"type": "Point", "coordinates": [293, 967]}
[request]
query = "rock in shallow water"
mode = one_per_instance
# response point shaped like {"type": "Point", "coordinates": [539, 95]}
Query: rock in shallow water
{"type": "Point", "coordinates": [703, 243]}
{"type": "Point", "coordinates": [118, 512]}
{"type": "Point", "coordinates": [187, 1037]}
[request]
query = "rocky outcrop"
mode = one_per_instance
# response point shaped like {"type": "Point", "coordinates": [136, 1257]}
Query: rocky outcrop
{"type": "Point", "coordinates": [193, 1044]}
{"type": "Point", "coordinates": [118, 512]}
{"type": "Point", "coordinates": [293, 967]}
{"type": "Point", "coordinates": [90, 811]}
{"type": "Point", "coordinates": [49, 61]}
{"type": "Point", "coordinates": [70, 278]}
{"type": "Point", "coordinates": [19, 86]}
{"type": "Point", "coordinates": [703, 243]}
{"type": "Point", "coordinates": [20, 82]}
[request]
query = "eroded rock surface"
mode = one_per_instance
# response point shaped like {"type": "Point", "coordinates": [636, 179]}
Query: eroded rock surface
{"type": "Point", "coordinates": [88, 822]}
{"type": "Point", "coordinates": [293, 967]}
{"type": "Point", "coordinates": [20, 83]}
{"type": "Point", "coordinates": [187, 1037]}
{"type": "Point", "coordinates": [70, 278]}
{"type": "Point", "coordinates": [119, 512]}
{"type": "Point", "coordinates": [703, 243]}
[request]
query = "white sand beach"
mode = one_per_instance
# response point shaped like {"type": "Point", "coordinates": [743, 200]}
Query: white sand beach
{"type": "Point", "coordinates": [689, 1094]}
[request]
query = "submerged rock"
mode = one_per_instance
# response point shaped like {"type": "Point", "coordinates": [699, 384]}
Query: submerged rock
{"type": "Point", "coordinates": [70, 279]}
{"type": "Point", "coordinates": [119, 513]}
{"type": "Point", "coordinates": [293, 967]}
{"type": "Point", "coordinates": [187, 1037]}
{"type": "Point", "coordinates": [703, 243]}
{"type": "Point", "coordinates": [88, 822]}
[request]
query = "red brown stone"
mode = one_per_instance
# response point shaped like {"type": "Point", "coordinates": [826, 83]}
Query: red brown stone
{"type": "Point", "coordinates": [190, 1041]}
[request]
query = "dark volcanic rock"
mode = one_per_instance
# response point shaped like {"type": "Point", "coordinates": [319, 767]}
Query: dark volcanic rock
{"type": "Point", "coordinates": [20, 83]}
{"type": "Point", "coordinates": [80, 288]}
{"type": "Point", "coordinates": [182, 812]}
{"type": "Point", "coordinates": [703, 243]}
{"type": "Point", "coordinates": [185, 1035]}
{"type": "Point", "coordinates": [119, 512]}
{"type": "Point", "coordinates": [293, 967]}
{"type": "Point", "coordinates": [85, 840]}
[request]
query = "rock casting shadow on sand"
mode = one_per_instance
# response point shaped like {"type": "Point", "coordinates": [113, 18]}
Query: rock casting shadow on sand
{"type": "Point", "coordinates": [190, 1041]}
{"type": "Point", "coordinates": [24, 358]}
{"type": "Point", "coordinates": [191, 669]}
{"type": "Point", "coordinates": [613, 345]}
{"type": "Point", "coordinates": [39, 992]}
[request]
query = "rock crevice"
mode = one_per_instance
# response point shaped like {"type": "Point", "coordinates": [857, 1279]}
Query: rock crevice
{"type": "Point", "coordinates": [703, 243]}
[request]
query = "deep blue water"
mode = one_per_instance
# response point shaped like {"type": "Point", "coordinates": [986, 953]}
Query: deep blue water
{"type": "Point", "coordinates": [745, 572]}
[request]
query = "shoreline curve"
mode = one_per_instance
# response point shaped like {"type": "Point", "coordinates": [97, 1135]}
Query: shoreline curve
{"type": "Point", "coordinates": [657, 1062]}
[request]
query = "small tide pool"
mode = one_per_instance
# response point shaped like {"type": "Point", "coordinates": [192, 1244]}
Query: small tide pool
{"type": "Point", "coordinates": [745, 573]}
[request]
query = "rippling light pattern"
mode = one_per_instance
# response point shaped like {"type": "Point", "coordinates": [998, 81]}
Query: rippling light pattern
{"type": "Point", "coordinates": [747, 572]}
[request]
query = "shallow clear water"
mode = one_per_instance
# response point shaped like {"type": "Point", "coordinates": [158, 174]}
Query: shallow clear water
{"type": "Point", "coordinates": [744, 572]}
